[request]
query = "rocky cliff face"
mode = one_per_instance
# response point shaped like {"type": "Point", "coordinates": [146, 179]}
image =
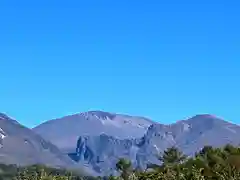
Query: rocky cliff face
{"type": "Point", "coordinates": [102, 152]}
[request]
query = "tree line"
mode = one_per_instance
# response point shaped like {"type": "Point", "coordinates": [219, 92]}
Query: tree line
{"type": "Point", "coordinates": [208, 164]}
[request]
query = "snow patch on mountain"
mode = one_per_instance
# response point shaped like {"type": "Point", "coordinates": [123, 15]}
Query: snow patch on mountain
{"type": "Point", "coordinates": [2, 134]}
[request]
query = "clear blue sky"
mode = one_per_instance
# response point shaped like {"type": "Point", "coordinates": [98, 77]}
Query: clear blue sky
{"type": "Point", "coordinates": [166, 60]}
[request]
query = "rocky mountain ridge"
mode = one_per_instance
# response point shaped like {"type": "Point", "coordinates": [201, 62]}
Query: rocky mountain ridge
{"type": "Point", "coordinates": [103, 151]}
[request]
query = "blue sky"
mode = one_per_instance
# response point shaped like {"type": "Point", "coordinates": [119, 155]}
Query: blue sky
{"type": "Point", "coordinates": [166, 60]}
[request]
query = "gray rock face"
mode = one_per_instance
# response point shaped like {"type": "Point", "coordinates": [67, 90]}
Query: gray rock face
{"type": "Point", "coordinates": [102, 152]}
{"type": "Point", "coordinates": [64, 132]}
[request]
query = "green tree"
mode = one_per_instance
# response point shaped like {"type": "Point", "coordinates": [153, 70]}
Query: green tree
{"type": "Point", "coordinates": [124, 166]}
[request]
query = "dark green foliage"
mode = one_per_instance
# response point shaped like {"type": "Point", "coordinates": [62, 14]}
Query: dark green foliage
{"type": "Point", "coordinates": [125, 167]}
{"type": "Point", "coordinates": [37, 172]}
{"type": "Point", "coordinates": [209, 164]}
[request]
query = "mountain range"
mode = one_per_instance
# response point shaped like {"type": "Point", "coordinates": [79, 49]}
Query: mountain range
{"type": "Point", "coordinates": [95, 140]}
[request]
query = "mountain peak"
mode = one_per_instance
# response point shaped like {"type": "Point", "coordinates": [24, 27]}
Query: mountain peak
{"type": "Point", "coordinates": [205, 116]}
{"type": "Point", "coordinates": [99, 114]}
{"type": "Point", "coordinates": [3, 116]}
{"type": "Point", "coordinates": [91, 123]}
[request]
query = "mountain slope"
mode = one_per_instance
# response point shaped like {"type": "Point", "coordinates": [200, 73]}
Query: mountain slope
{"type": "Point", "coordinates": [64, 132]}
{"type": "Point", "coordinates": [189, 136]}
{"type": "Point", "coordinates": [20, 145]}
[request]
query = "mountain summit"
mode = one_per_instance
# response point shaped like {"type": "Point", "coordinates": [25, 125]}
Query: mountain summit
{"type": "Point", "coordinates": [64, 132]}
